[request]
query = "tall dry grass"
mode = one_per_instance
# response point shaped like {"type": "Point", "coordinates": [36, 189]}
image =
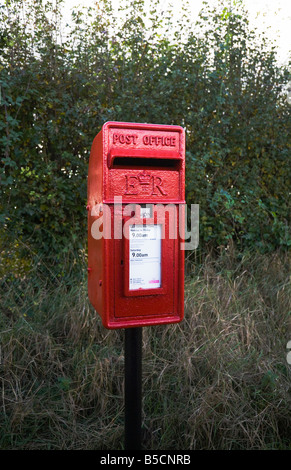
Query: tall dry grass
{"type": "Point", "coordinates": [218, 380]}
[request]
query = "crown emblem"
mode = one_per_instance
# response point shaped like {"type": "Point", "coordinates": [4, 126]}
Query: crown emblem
{"type": "Point", "coordinates": [144, 178]}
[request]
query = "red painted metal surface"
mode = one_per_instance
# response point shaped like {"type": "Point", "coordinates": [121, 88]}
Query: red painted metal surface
{"type": "Point", "coordinates": [142, 164]}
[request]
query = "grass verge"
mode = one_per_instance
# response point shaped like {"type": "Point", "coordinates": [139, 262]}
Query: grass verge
{"type": "Point", "coordinates": [218, 380]}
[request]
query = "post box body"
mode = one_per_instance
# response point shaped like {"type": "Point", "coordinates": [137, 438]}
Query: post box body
{"type": "Point", "coordinates": [135, 224]}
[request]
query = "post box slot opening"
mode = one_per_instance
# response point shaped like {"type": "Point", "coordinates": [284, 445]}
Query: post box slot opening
{"type": "Point", "coordinates": [131, 162]}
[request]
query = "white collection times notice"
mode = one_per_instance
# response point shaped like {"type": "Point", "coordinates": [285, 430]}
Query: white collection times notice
{"type": "Point", "coordinates": [144, 256]}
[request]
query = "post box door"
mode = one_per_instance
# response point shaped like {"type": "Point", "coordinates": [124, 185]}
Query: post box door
{"type": "Point", "coordinates": [147, 287]}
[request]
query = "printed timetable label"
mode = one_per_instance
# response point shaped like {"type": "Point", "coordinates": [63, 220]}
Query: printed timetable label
{"type": "Point", "coordinates": [144, 256]}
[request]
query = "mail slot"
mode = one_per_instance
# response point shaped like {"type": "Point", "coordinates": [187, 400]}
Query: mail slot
{"type": "Point", "coordinates": [136, 192]}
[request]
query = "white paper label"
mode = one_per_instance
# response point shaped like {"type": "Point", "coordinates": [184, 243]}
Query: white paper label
{"type": "Point", "coordinates": [144, 256]}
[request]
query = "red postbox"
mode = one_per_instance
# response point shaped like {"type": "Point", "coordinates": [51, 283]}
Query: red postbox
{"type": "Point", "coordinates": [136, 190]}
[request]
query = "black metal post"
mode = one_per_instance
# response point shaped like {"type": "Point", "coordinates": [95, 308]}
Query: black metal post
{"type": "Point", "coordinates": [133, 388]}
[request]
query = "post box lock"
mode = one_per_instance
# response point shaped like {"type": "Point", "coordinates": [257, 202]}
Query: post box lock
{"type": "Point", "coordinates": [137, 177]}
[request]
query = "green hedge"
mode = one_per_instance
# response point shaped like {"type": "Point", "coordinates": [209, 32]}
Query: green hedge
{"type": "Point", "coordinates": [216, 78]}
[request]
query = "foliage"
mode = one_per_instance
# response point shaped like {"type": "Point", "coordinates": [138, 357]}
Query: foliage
{"type": "Point", "coordinates": [216, 78]}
